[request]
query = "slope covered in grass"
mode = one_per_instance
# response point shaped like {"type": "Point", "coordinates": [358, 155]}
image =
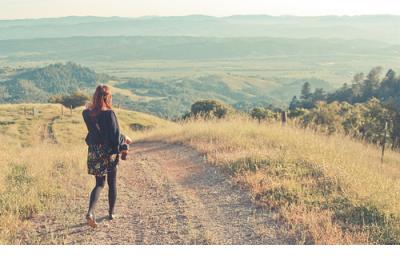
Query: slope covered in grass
{"type": "Point", "coordinates": [44, 159]}
{"type": "Point", "coordinates": [322, 189]}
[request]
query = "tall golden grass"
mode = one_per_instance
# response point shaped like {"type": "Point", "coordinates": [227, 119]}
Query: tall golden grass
{"type": "Point", "coordinates": [322, 189]}
{"type": "Point", "coordinates": [34, 179]}
{"type": "Point", "coordinates": [43, 162]}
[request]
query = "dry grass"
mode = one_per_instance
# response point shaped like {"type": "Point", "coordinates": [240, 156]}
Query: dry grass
{"type": "Point", "coordinates": [71, 129]}
{"type": "Point", "coordinates": [324, 189]}
{"type": "Point", "coordinates": [34, 179]}
{"type": "Point", "coordinates": [43, 156]}
{"type": "Point", "coordinates": [34, 173]}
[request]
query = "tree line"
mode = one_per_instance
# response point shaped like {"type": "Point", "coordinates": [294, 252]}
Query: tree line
{"type": "Point", "coordinates": [362, 109]}
{"type": "Point", "coordinates": [366, 109]}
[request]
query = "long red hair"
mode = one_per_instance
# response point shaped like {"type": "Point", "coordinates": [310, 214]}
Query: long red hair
{"type": "Point", "coordinates": [102, 99]}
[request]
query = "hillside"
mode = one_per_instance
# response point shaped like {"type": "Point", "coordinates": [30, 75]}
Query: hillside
{"type": "Point", "coordinates": [172, 96]}
{"type": "Point", "coordinates": [231, 181]}
{"type": "Point", "coordinates": [27, 130]}
{"type": "Point", "coordinates": [45, 157]}
{"type": "Point", "coordinates": [37, 84]}
{"type": "Point", "coordinates": [260, 67]}
{"type": "Point", "coordinates": [165, 97]}
{"type": "Point", "coordinates": [319, 189]}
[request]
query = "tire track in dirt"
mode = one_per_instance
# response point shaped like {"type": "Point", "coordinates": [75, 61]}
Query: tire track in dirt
{"type": "Point", "coordinates": [47, 132]}
{"type": "Point", "coordinates": [221, 212]}
{"type": "Point", "coordinates": [167, 194]}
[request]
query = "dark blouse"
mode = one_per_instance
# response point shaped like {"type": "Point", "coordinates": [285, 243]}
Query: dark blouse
{"type": "Point", "coordinates": [104, 129]}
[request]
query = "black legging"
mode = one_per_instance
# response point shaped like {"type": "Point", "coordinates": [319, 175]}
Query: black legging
{"type": "Point", "coordinates": [112, 190]}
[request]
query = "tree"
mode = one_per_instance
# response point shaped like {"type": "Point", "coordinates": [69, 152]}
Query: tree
{"type": "Point", "coordinates": [318, 95]}
{"type": "Point", "coordinates": [360, 110]}
{"type": "Point", "coordinates": [262, 114]}
{"type": "Point", "coordinates": [353, 120]}
{"type": "Point", "coordinates": [325, 117]}
{"type": "Point", "coordinates": [76, 99]}
{"type": "Point", "coordinates": [357, 84]}
{"type": "Point", "coordinates": [3, 94]}
{"type": "Point", "coordinates": [306, 91]}
{"type": "Point", "coordinates": [371, 84]}
{"type": "Point", "coordinates": [298, 113]}
{"type": "Point", "coordinates": [294, 104]}
{"type": "Point", "coordinates": [396, 130]}
{"type": "Point", "coordinates": [388, 85]}
{"type": "Point", "coordinates": [375, 116]}
{"type": "Point", "coordinates": [210, 109]}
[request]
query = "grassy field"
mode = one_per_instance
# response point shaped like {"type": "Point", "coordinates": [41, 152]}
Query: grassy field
{"type": "Point", "coordinates": [333, 69]}
{"type": "Point", "coordinates": [322, 189]}
{"type": "Point", "coordinates": [43, 157]}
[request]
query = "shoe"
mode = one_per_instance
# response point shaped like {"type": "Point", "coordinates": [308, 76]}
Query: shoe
{"type": "Point", "coordinates": [112, 216]}
{"type": "Point", "coordinates": [91, 221]}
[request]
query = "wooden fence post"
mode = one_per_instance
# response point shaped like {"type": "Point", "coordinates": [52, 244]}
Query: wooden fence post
{"type": "Point", "coordinates": [284, 117]}
{"type": "Point", "coordinates": [70, 109]}
{"type": "Point", "coordinates": [34, 112]}
{"type": "Point", "coordinates": [24, 111]}
{"type": "Point", "coordinates": [384, 141]}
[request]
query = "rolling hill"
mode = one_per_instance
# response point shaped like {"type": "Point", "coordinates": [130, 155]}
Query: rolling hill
{"type": "Point", "coordinates": [166, 97]}
{"type": "Point", "coordinates": [37, 84]}
{"type": "Point", "coordinates": [241, 60]}
{"type": "Point", "coordinates": [275, 184]}
{"type": "Point", "coordinates": [45, 160]}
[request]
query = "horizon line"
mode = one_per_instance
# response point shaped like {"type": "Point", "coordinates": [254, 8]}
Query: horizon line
{"type": "Point", "coordinates": [203, 15]}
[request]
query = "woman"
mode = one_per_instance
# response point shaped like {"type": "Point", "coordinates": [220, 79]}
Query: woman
{"type": "Point", "coordinates": [104, 142]}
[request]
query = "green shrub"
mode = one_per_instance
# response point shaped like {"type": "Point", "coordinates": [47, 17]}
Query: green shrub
{"type": "Point", "coordinates": [139, 127]}
{"type": "Point", "coordinates": [210, 109]}
{"type": "Point", "coordinates": [277, 197]}
{"type": "Point", "coordinates": [262, 114]}
{"type": "Point", "coordinates": [246, 164]}
{"type": "Point", "coordinates": [74, 100]}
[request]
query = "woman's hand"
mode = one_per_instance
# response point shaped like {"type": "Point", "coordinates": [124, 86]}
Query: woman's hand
{"type": "Point", "coordinates": [128, 140]}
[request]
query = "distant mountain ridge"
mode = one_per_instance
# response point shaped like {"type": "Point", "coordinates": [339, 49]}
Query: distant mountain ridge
{"type": "Point", "coordinates": [184, 48]}
{"type": "Point", "coordinates": [372, 27]}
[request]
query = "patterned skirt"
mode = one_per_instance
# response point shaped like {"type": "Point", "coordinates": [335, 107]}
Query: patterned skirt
{"type": "Point", "coordinates": [99, 162]}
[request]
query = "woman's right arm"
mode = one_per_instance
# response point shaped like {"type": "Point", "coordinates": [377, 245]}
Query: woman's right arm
{"type": "Point", "coordinates": [128, 140]}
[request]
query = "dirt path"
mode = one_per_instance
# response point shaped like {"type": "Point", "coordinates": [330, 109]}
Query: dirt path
{"type": "Point", "coordinates": [47, 132]}
{"type": "Point", "coordinates": [167, 194]}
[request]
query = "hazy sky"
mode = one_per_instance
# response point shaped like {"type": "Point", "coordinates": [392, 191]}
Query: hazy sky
{"type": "Point", "coordinates": [10, 9]}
